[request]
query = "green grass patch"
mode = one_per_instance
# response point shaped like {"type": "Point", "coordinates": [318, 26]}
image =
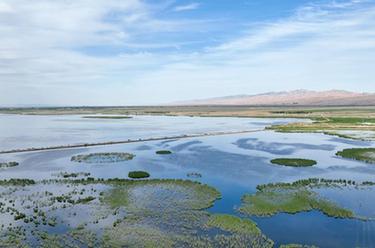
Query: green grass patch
{"type": "Point", "coordinates": [330, 126]}
{"type": "Point", "coordinates": [8, 164]}
{"type": "Point", "coordinates": [233, 224]}
{"type": "Point", "coordinates": [147, 194]}
{"type": "Point", "coordinates": [361, 154]}
{"type": "Point", "coordinates": [163, 152]}
{"type": "Point", "coordinates": [291, 198]}
{"type": "Point", "coordinates": [107, 157]}
{"type": "Point", "coordinates": [305, 112]}
{"type": "Point", "coordinates": [349, 120]}
{"type": "Point", "coordinates": [137, 236]}
{"type": "Point", "coordinates": [268, 203]}
{"type": "Point", "coordinates": [294, 162]}
{"type": "Point", "coordinates": [116, 197]}
{"type": "Point", "coordinates": [138, 174]}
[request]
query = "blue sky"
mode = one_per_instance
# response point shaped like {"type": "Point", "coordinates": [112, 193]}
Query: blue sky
{"type": "Point", "coordinates": [130, 52]}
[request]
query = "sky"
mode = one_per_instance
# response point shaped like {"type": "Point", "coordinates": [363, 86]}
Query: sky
{"type": "Point", "coordinates": [139, 52]}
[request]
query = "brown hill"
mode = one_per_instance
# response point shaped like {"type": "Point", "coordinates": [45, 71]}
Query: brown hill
{"type": "Point", "coordinates": [296, 97]}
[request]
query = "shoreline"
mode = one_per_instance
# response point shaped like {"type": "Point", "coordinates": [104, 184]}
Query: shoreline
{"type": "Point", "coordinates": [185, 136]}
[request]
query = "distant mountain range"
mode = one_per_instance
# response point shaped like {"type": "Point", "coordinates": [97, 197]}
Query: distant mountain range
{"type": "Point", "coordinates": [292, 98]}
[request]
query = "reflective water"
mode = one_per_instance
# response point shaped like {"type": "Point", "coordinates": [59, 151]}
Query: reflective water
{"type": "Point", "coordinates": [234, 164]}
{"type": "Point", "coordinates": [25, 131]}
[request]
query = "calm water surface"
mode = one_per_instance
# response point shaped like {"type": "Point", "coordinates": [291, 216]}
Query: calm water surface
{"type": "Point", "coordinates": [25, 131]}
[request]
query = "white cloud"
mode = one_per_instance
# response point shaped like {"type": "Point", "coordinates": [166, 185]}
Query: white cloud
{"type": "Point", "coordinates": [321, 46]}
{"type": "Point", "coordinates": [191, 6]}
{"type": "Point", "coordinates": [5, 8]}
{"type": "Point", "coordinates": [318, 48]}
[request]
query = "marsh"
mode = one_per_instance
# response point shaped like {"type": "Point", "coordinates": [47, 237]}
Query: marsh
{"type": "Point", "coordinates": [66, 194]}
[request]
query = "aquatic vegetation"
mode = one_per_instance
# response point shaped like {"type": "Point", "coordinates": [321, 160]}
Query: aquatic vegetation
{"type": "Point", "coordinates": [140, 194]}
{"type": "Point", "coordinates": [138, 174]}
{"type": "Point", "coordinates": [109, 157]}
{"type": "Point", "coordinates": [168, 213]}
{"type": "Point", "coordinates": [368, 183]}
{"type": "Point", "coordinates": [150, 236]}
{"type": "Point", "coordinates": [289, 112]}
{"type": "Point", "coordinates": [294, 162]}
{"type": "Point", "coordinates": [297, 246]}
{"type": "Point", "coordinates": [268, 203]}
{"type": "Point", "coordinates": [163, 152]}
{"type": "Point", "coordinates": [16, 182]}
{"type": "Point", "coordinates": [72, 175]}
{"type": "Point", "coordinates": [362, 154]}
{"type": "Point", "coordinates": [331, 126]}
{"type": "Point", "coordinates": [309, 182]}
{"type": "Point", "coordinates": [132, 236]}
{"type": "Point", "coordinates": [232, 223]}
{"type": "Point", "coordinates": [85, 200]}
{"type": "Point", "coordinates": [171, 211]}
{"type": "Point", "coordinates": [144, 213]}
{"type": "Point", "coordinates": [107, 117]}
{"type": "Point", "coordinates": [117, 197]}
{"type": "Point", "coordinates": [13, 238]}
{"type": "Point", "coordinates": [134, 213]}
{"type": "Point", "coordinates": [8, 164]}
{"type": "Point", "coordinates": [194, 175]}
{"type": "Point", "coordinates": [291, 198]}
{"type": "Point", "coordinates": [78, 237]}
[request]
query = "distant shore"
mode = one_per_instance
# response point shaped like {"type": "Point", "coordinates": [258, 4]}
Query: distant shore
{"type": "Point", "coordinates": [203, 111]}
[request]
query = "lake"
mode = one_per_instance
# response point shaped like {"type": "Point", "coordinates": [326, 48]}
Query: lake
{"type": "Point", "coordinates": [233, 164]}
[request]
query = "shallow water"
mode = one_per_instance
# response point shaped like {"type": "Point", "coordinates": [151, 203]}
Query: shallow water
{"type": "Point", "coordinates": [234, 164]}
{"type": "Point", "coordinates": [25, 131]}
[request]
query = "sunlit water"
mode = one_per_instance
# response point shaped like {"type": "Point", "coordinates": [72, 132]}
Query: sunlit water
{"type": "Point", "coordinates": [234, 164]}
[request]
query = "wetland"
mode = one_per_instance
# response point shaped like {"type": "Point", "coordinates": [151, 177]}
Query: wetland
{"type": "Point", "coordinates": [209, 191]}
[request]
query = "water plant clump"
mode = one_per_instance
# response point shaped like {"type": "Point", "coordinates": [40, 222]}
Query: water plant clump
{"type": "Point", "coordinates": [8, 164]}
{"type": "Point", "coordinates": [194, 175]}
{"type": "Point", "coordinates": [163, 152]}
{"type": "Point", "coordinates": [109, 157]}
{"type": "Point", "coordinates": [308, 183]}
{"type": "Point", "coordinates": [361, 154]}
{"type": "Point", "coordinates": [297, 246]}
{"type": "Point", "coordinates": [268, 203]}
{"type": "Point", "coordinates": [168, 213]}
{"type": "Point", "coordinates": [17, 182]}
{"type": "Point", "coordinates": [338, 126]}
{"type": "Point", "coordinates": [232, 223]}
{"type": "Point", "coordinates": [183, 194]}
{"type": "Point", "coordinates": [138, 174]}
{"type": "Point", "coordinates": [291, 198]}
{"type": "Point", "coordinates": [73, 174]}
{"type": "Point", "coordinates": [151, 236]}
{"type": "Point", "coordinates": [77, 237]}
{"type": "Point", "coordinates": [107, 117]}
{"type": "Point", "coordinates": [294, 162]}
{"type": "Point", "coordinates": [130, 213]}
